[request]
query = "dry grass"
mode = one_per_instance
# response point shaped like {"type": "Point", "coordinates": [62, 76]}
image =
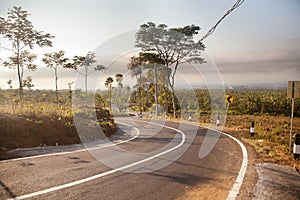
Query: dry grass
{"type": "Point", "coordinates": [271, 139]}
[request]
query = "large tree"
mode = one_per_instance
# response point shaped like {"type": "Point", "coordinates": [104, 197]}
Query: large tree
{"type": "Point", "coordinates": [174, 46]}
{"type": "Point", "coordinates": [21, 33]}
{"type": "Point", "coordinates": [55, 60]}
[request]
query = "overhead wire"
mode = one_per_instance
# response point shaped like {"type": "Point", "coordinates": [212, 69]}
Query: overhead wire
{"type": "Point", "coordinates": [212, 29]}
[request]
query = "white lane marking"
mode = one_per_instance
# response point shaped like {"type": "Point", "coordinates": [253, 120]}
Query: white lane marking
{"type": "Point", "coordinates": [239, 179]}
{"type": "Point", "coordinates": [77, 151]}
{"type": "Point", "coordinates": [107, 172]}
{"type": "Point", "coordinates": [241, 175]}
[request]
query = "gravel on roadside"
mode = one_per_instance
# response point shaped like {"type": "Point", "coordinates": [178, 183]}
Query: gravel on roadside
{"type": "Point", "coordinates": [276, 182]}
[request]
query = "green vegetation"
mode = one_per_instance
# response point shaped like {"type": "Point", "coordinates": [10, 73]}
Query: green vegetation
{"type": "Point", "coordinates": [253, 102]}
{"type": "Point", "coordinates": [246, 101]}
{"type": "Point", "coordinates": [262, 101]}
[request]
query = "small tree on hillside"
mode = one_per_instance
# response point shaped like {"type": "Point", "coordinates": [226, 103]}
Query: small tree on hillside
{"type": "Point", "coordinates": [55, 60]}
{"type": "Point", "coordinates": [24, 63]}
{"type": "Point", "coordinates": [27, 82]}
{"type": "Point", "coordinates": [9, 82]}
{"type": "Point", "coordinates": [88, 63]}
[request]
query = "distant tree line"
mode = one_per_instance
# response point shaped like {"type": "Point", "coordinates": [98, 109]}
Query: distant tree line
{"type": "Point", "coordinates": [262, 101]}
{"type": "Point", "coordinates": [247, 101]}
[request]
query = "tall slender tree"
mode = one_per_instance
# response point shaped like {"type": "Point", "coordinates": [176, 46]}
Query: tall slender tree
{"type": "Point", "coordinates": [88, 63]}
{"type": "Point", "coordinates": [21, 33]}
{"type": "Point", "coordinates": [136, 68]}
{"type": "Point", "coordinates": [119, 79]}
{"type": "Point", "coordinates": [55, 60]}
{"type": "Point", "coordinates": [108, 84]}
{"type": "Point", "coordinates": [154, 62]}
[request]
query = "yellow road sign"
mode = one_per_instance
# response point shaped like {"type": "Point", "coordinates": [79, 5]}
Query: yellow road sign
{"type": "Point", "coordinates": [229, 99]}
{"type": "Point", "coordinates": [293, 90]}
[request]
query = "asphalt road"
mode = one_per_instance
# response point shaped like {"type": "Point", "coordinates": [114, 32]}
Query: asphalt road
{"type": "Point", "coordinates": [140, 166]}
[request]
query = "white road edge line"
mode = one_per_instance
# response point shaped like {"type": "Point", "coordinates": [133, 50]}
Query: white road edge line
{"type": "Point", "coordinates": [239, 180]}
{"type": "Point", "coordinates": [76, 151]}
{"type": "Point", "coordinates": [52, 189]}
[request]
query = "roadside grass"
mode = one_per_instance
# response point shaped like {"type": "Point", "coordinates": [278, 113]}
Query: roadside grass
{"type": "Point", "coordinates": [271, 138]}
{"type": "Point", "coordinates": [44, 122]}
{"type": "Point", "coordinates": [47, 109]}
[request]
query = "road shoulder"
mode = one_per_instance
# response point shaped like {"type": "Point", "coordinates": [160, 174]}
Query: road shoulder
{"type": "Point", "coordinates": [212, 191]}
{"type": "Point", "coordinates": [277, 182]}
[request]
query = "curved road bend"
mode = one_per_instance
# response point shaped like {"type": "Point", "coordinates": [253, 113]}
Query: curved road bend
{"type": "Point", "coordinates": [219, 168]}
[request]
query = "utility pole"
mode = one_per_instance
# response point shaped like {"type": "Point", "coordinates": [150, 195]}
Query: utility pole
{"type": "Point", "coordinates": [292, 93]}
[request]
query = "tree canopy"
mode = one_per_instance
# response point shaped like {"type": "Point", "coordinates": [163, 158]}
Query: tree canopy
{"type": "Point", "coordinates": [170, 47]}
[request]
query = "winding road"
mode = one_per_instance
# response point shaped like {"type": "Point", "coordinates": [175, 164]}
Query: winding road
{"type": "Point", "coordinates": [151, 160]}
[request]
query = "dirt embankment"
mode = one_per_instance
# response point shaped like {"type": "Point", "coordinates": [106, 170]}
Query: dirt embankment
{"type": "Point", "coordinates": [33, 131]}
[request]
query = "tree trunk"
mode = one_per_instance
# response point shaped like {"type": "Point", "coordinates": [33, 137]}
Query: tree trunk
{"type": "Point", "coordinates": [110, 99]}
{"type": "Point", "coordinates": [156, 98]}
{"type": "Point", "coordinates": [56, 87]}
{"type": "Point", "coordinates": [173, 101]}
{"type": "Point", "coordinates": [172, 83]}
{"type": "Point", "coordinates": [85, 80]}
{"type": "Point", "coordinates": [19, 73]}
{"type": "Point", "coordinates": [140, 94]}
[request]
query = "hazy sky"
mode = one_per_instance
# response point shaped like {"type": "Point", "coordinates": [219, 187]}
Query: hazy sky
{"type": "Point", "coordinates": [259, 43]}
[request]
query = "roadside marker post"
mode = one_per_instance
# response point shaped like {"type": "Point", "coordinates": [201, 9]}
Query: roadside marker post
{"type": "Point", "coordinates": [297, 147]}
{"type": "Point", "coordinates": [252, 129]}
{"type": "Point", "coordinates": [292, 93]}
{"type": "Point", "coordinates": [218, 121]}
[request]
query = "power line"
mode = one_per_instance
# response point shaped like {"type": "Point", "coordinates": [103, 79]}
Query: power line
{"type": "Point", "coordinates": [212, 29]}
